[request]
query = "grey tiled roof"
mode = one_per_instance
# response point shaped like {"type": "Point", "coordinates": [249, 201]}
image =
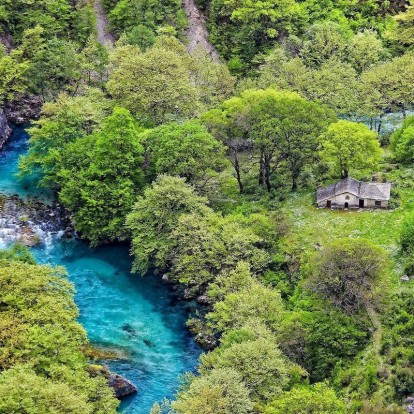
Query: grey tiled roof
{"type": "Point", "coordinates": [373, 191]}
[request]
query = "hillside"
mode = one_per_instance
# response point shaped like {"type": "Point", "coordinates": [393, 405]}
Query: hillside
{"type": "Point", "coordinates": [196, 135]}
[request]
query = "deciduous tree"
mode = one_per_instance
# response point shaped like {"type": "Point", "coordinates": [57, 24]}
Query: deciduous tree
{"type": "Point", "coordinates": [348, 272]}
{"type": "Point", "coordinates": [350, 147]}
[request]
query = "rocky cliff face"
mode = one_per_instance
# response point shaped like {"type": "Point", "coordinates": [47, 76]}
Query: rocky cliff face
{"type": "Point", "coordinates": [25, 109]}
{"type": "Point", "coordinates": [5, 130]}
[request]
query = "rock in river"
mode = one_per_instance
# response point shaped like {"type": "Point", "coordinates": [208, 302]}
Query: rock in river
{"type": "Point", "coordinates": [121, 385]}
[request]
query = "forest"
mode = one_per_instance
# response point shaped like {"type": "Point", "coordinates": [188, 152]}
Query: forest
{"type": "Point", "coordinates": [206, 165]}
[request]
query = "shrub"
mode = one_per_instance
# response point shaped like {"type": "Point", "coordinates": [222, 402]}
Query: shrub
{"type": "Point", "coordinates": [407, 234]}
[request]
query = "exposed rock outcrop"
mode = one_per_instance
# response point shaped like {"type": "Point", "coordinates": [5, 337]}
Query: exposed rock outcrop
{"type": "Point", "coordinates": [104, 35]}
{"type": "Point", "coordinates": [24, 109]}
{"type": "Point", "coordinates": [410, 405]}
{"type": "Point", "coordinates": [5, 130]}
{"type": "Point", "coordinates": [197, 33]}
{"type": "Point", "coordinates": [31, 222]}
{"type": "Point", "coordinates": [7, 41]}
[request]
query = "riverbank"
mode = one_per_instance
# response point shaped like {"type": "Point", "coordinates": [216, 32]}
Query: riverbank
{"type": "Point", "coordinates": [140, 316]}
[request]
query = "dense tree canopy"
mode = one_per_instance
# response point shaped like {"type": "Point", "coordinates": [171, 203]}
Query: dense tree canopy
{"type": "Point", "coordinates": [208, 167]}
{"type": "Point", "coordinates": [105, 185]}
{"type": "Point", "coordinates": [42, 369]}
{"type": "Point", "coordinates": [186, 150]}
{"type": "Point", "coordinates": [155, 215]}
{"type": "Point", "coordinates": [282, 127]}
{"type": "Point", "coordinates": [318, 399]}
{"type": "Point", "coordinates": [155, 86]}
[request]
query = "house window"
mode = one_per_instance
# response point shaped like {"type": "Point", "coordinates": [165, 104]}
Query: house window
{"type": "Point", "coordinates": [378, 204]}
{"type": "Point", "coordinates": [347, 198]}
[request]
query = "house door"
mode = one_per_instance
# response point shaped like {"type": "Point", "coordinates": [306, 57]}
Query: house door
{"type": "Point", "coordinates": [328, 204]}
{"type": "Point", "coordinates": [346, 205]}
{"type": "Point", "coordinates": [361, 203]}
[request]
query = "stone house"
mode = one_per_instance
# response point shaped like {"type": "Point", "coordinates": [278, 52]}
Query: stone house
{"type": "Point", "coordinates": [350, 193]}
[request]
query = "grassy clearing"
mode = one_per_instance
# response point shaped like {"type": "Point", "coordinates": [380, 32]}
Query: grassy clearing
{"type": "Point", "coordinates": [312, 227]}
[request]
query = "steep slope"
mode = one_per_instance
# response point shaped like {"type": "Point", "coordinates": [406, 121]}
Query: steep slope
{"type": "Point", "coordinates": [197, 33]}
{"type": "Point", "coordinates": [104, 35]}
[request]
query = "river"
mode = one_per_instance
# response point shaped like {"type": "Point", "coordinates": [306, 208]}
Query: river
{"type": "Point", "coordinates": [138, 316]}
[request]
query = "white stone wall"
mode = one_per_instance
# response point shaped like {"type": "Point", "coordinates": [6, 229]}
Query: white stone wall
{"type": "Point", "coordinates": [340, 200]}
{"type": "Point", "coordinates": [353, 202]}
{"type": "Point", "coordinates": [371, 204]}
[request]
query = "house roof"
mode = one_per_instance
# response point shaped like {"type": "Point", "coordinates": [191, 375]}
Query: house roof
{"type": "Point", "coordinates": [373, 191]}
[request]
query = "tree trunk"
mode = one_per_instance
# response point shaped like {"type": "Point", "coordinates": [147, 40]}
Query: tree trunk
{"type": "Point", "coordinates": [294, 181]}
{"type": "Point", "coordinates": [380, 124]}
{"type": "Point", "coordinates": [238, 175]}
{"type": "Point", "coordinates": [267, 173]}
{"type": "Point", "coordinates": [262, 174]}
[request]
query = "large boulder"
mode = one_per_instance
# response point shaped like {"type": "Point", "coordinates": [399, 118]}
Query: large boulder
{"type": "Point", "coordinates": [122, 386]}
{"type": "Point", "coordinates": [5, 130]}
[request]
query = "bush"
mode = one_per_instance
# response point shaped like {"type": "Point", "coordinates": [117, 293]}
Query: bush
{"type": "Point", "coordinates": [318, 399]}
{"type": "Point", "coordinates": [347, 272]}
{"type": "Point", "coordinates": [407, 234]}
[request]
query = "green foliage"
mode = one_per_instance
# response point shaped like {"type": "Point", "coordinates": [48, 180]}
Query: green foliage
{"type": "Point", "coordinates": [23, 391]}
{"type": "Point", "coordinates": [206, 246]}
{"type": "Point", "coordinates": [364, 50]}
{"type": "Point", "coordinates": [18, 252]}
{"type": "Point", "coordinates": [348, 272]}
{"type": "Point", "coordinates": [242, 31]}
{"type": "Point", "coordinates": [283, 128]}
{"type": "Point", "coordinates": [154, 216]}
{"type": "Point", "coordinates": [42, 367]}
{"type": "Point", "coordinates": [402, 141]}
{"type": "Point", "coordinates": [102, 189]}
{"type": "Point", "coordinates": [155, 85]}
{"type": "Point", "coordinates": [320, 337]}
{"type": "Point", "coordinates": [14, 78]}
{"type": "Point", "coordinates": [324, 41]}
{"type": "Point", "coordinates": [331, 338]}
{"type": "Point", "coordinates": [59, 18]}
{"type": "Point", "coordinates": [407, 234]}
{"type": "Point", "coordinates": [348, 147]}
{"type": "Point", "coordinates": [221, 391]}
{"type": "Point", "coordinates": [402, 33]}
{"type": "Point", "coordinates": [55, 67]}
{"type": "Point", "coordinates": [318, 399]}
{"type": "Point", "coordinates": [141, 19]}
{"type": "Point", "coordinates": [62, 122]}
{"type": "Point", "coordinates": [186, 150]}
{"type": "Point", "coordinates": [386, 87]}
{"type": "Point", "coordinates": [271, 369]}
{"type": "Point", "coordinates": [249, 302]}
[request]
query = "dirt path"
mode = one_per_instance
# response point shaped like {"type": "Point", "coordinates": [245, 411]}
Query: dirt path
{"type": "Point", "coordinates": [377, 335]}
{"type": "Point", "coordinates": [105, 37]}
{"type": "Point", "coordinates": [197, 33]}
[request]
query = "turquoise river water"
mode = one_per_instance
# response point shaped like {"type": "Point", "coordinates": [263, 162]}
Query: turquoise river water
{"type": "Point", "coordinates": [136, 315]}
